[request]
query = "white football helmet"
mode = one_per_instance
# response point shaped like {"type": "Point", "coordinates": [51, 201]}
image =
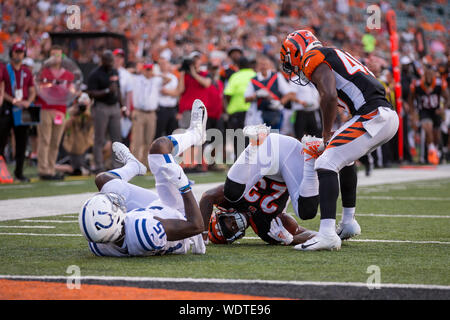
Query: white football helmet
{"type": "Point", "coordinates": [101, 217]}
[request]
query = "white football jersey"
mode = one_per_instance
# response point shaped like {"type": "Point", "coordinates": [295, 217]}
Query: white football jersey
{"type": "Point", "coordinates": [145, 235]}
{"type": "Point", "coordinates": [279, 158]}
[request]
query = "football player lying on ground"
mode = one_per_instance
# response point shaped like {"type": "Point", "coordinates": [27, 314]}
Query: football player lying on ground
{"type": "Point", "coordinates": [262, 208]}
{"type": "Point", "coordinates": [270, 170]}
{"type": "Point", "coordinates": [127, 220]}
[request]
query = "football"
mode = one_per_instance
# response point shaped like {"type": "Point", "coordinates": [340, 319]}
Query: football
{"type": "Point", "coordinates": [289, 223]}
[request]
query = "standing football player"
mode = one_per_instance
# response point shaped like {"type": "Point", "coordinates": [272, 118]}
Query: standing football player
{"type": "Point", "coordinates": [341, 81]}
{"type": "Point", "coordinates": [427, 94]}
{"type": "Point", "coordinates": [127, 220]}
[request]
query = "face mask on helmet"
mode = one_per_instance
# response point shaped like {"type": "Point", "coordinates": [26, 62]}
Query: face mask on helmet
{"type": "Point", "coordinates": [293, 48]}
{"type": "Point", "coordinates": [101, 218]}
{"type": "Point", "coordinates": [226, 226]}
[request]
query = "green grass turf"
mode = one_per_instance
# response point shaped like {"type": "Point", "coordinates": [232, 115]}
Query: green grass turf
{"type": "Point", "coordinates": [411, 263]}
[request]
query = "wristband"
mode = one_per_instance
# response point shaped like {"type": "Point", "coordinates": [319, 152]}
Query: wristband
{"type": "Point", "coordinates": [185, 189]}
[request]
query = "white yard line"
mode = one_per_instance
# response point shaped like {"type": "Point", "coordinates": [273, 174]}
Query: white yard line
{"type": "Point", "coordinates": [378, 241]}
{"type": "Point", "coordinates": [399, 241]}
{"type": "Point", "coordinates": [28, 227]}
{"type": "Point", "coordinates": [382, 215]}
{"type": "Point", "coordinates": [41, 234]}
{"type": "Point", "coordinates": [50, 221]}
{"type": "Point", "coordinates": [236, 281]}
{"type": "Point", "coordinates": [403, 198]}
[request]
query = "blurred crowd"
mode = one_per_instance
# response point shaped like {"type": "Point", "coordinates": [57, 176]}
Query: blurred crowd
{"type": "Point", "coordinates": [224, 52]}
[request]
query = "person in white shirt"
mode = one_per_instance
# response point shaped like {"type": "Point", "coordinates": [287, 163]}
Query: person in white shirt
{"type": "Point", "coordinates": [125, 78]}
{"type": "Point", "coordinates": [269, 92]}
{"type": "Point", "coordinates": [306, 106]}
{"type": "Point", "coordinates": [146, 92]}
{"type": "Point", "coordinates": [168, 101]}
{"type": "Point", "coordinates": [126, 92]}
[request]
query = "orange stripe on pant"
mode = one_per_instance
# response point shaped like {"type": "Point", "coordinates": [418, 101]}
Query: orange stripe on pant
{"type": "Point", "coordinates": [352, 132]}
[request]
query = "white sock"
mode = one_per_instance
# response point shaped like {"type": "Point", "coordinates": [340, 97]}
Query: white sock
{"type": "Point", "coordinates": [327, 226]}
{"type": "Point", "coordinates": [310, 182]}
{"type": "Point", "coordinates": [184, 141]}
{"type": "Point", "coordinates": [128, 171]}
{"type": "Point", "coordinates": [348, 214]}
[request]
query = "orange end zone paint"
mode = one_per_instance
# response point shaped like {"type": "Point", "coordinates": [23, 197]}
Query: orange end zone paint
{"type": "Point", "coordinates": [40, 290]}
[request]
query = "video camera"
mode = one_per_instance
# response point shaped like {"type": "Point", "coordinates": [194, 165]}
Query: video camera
{"type": "Point", "coordinates": [186, 64]}
{"type": "Point", "coordinates": [188, 61]}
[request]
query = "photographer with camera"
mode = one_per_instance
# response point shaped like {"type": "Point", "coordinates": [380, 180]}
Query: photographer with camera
{"type": "Point", "coordinates": [79, 133]}
{"type": "Point", "coordinates": [193, 85]}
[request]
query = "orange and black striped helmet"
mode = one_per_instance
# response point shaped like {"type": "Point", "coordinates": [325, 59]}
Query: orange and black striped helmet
{"type": "Point", "coordinates": [219, 233]}
{"type": "Point", "coordinates": [293, 48]}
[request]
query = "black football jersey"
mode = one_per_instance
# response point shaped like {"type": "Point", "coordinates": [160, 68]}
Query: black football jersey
{"type": "Point", "coordinates": [263, 202]}
{"type": "Point", "coordinates": [359, 92]}
{"type": "Point", "coordinates": [428, 97]}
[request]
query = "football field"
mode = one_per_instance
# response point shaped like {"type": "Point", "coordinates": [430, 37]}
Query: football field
{"type": "Point", "coordinates": [402, 253]}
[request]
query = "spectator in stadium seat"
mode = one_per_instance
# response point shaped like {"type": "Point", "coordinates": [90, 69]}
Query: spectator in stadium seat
{"type": "Point", "coordinates": [104, 88]}
{"type": "Point", "coordinates": [51, 128]}
{"type": "Point", "coordinates": [19, 91]}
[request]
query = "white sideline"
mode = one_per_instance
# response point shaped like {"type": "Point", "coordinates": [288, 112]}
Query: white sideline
{"type": "Point", "coordinates": [215, 280]}
{"type": "Point", "coordinates": [65, 204]}
{"type": "Point", "coordinates": [379, 241]}
{"type": "Point", "coordinates": [398, 216]}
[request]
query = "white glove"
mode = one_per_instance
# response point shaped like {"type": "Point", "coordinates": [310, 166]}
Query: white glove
{"type": "Point", "coordinates": [197, 244]}
{"type": "Point", "coordinates": [262, 93]}
{"type": "Point", "coordinates": [279, 232]}
{"type": "Point", "coordinates": [275, 105]}
{"type": "Point", "coordinates": [175, 175]}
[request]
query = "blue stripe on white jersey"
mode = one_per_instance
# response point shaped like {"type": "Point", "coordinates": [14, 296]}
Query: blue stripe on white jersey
{"type": "Point", "coordinates": [142, 234]}
{"type": "Point", "coordinates": [175, 144]}
{"type": "Point", "coordinates": [167, 158]}
{"type": "Point", "coordinates": [94, 248]}
{"type": "Point", "coordinates": [84, 221]}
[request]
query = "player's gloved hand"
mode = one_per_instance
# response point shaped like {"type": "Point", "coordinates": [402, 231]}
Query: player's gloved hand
{"type": "Point", "coordinates": [275, 105]}
{"type": "Point", "coordinates": [262, 93]}
{"type": "Point", "coordinates": [175, 175]}
{"type": "Point", "coordinates": [279, 232]}
{"type": "Point", "coordinates": [197, 244]}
